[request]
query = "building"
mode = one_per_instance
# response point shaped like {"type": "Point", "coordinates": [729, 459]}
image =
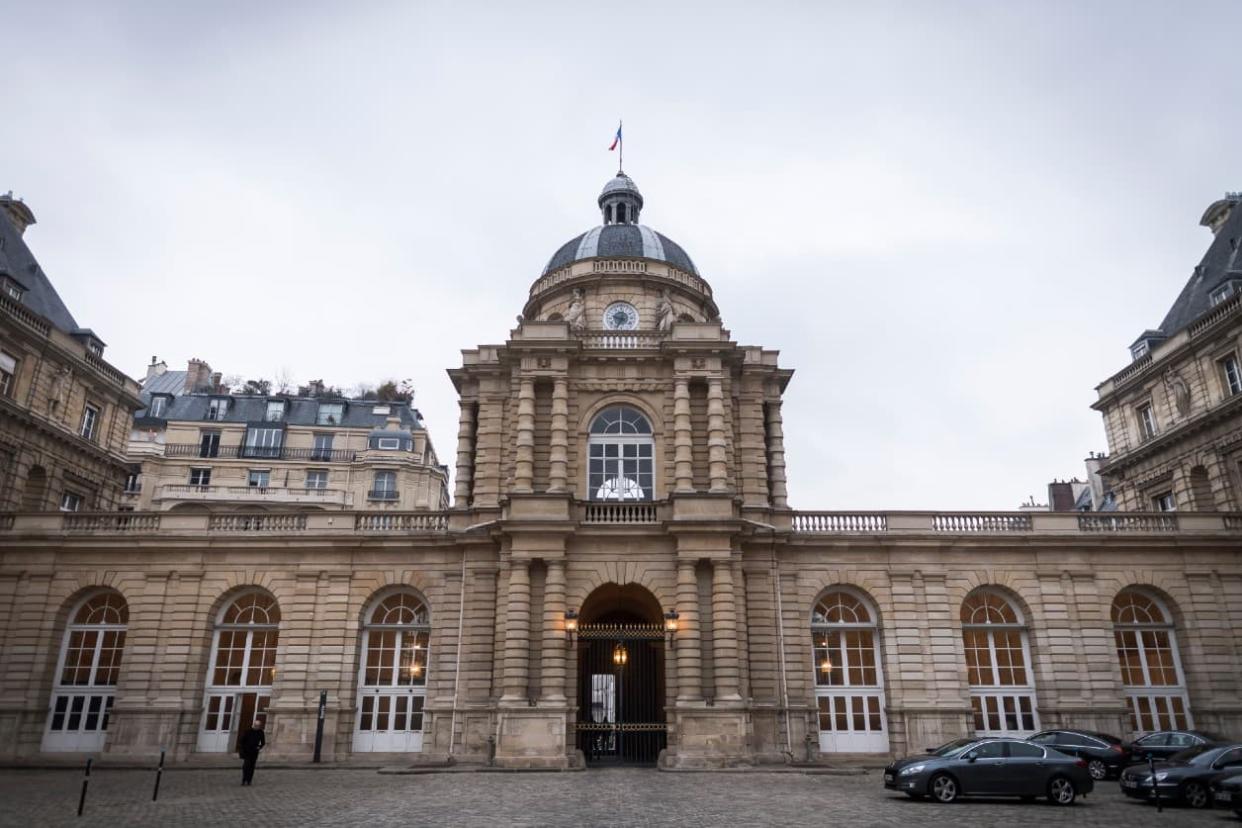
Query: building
{"type": "Point", "coordinates": [64, 411]}
{"type": "Point", "coordinates": [620, 578]}
{"type": "Point", "coordinates": [204, 448]}
{"type": "Point", "coordinates": [1173, 416]}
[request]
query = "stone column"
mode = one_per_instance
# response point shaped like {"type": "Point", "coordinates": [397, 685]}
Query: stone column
{"type": "Point", "coordinates": [724, 631]}
{"type": "Point", "coordinates": [558, 456]}
{"type": "Point", "coordinates": [524, 471]}
{"type": "Point", "coordinates": [717, 460]}
{"type": "Point", "coordinates": [517, 632]}
{"type": "Point", "coordinates": [465, 454]}
{"type": "Point", "coordinates": [689, 659]}
{"type": "Point", "coordinates": [553, 662]}
{"type": "Point", "coordinates": [776, 456]}
{"type": "Point", "coordinates": [682, 438]}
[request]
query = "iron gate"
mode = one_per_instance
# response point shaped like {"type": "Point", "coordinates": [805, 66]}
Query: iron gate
{"type": "Point", "coordinates": [621, 693]}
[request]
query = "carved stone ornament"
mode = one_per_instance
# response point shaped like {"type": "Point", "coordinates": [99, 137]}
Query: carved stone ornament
{"type": "Point", "coordinates": [576, 314]}
{"type": "Point", "coordinates": [1179, 390]}
{"type": "Point", "coordinates": [544, 362]}
{"type": "Point", "coordinates": [664, 313]}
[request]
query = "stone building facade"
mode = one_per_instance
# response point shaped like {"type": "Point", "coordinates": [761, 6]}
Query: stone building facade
{"type": "Point", "coordinates": [620, 578]}
{"type": "Point", "coordinates": [1173, 416]}
{"type": "Point", "coordinates": [64, 411]}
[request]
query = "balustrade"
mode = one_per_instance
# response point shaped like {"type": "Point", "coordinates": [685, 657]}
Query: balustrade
{"type": "Point", "coordinates": [110, 522]}
{"type": "Point", "coordinates": [1114, 522]}
{"type": "Point", "coordinates": [256, 523]}
{"type": "Point", "coordinates": [981, 523]}
{"type": "Point", "coordinates": [833, 522]}
{"type": "Point", "coordinates": [614, 513]}
{"type": "Point", "coordinates": [402, 522]}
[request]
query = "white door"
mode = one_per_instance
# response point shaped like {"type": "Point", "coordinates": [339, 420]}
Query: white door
{"type": "Point", "coordinates": [389, 721]}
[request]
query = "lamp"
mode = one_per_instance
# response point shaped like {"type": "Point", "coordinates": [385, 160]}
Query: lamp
{"type": "Point", "coordinates": [620, 655]}
{"type": "Point", "coordinates": [670, 627]}
{"type": "Point", "coordinates": [571, 626]}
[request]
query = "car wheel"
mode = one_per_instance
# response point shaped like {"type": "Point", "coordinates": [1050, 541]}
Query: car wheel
{"type": "Point", "coordinates": [1197, 796]}
{"type": "Point", "coordinates": [1097, 769]}
{"type": "Point", "coordinates": [943, 787]}
{"type": "Point", "coordinates": [1061, 791]}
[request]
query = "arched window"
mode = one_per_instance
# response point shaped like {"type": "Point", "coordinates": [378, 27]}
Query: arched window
{"type": "Point", "coordinates": [1151, 672]}
{"type": "Point", "coordinates": [243, 669]}
{"type": "Point", "coordinates": [620, 449]}
{"type": "Point", "coordinates": [392, 683]}
{"type": "Point", "coordinates": [1002, 691]}
{"type": "Point", "coordinates": [87, 673]}
{"type": "Point", "coordinates": [849, 684]}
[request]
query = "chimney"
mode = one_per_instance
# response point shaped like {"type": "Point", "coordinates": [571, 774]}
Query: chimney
{"type": "Point", "coordinates": [216, 379]}
{"type": "Point", "coordinates": [197, 376]}
{"type": "Point", "coordinates": [17, 212]}
{"type": "Point", "coordinates": [1060, 496]}
{"type": "Point", "coordinates": [155, 369]}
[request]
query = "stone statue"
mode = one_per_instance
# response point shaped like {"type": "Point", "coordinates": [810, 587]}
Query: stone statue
{"type": "Point", "coordinates": [58, 394]}
{"type": "Point", "coordinates": [576, 315]}
{"type": "Point", "coordinates": [1180, 391]}
{"type": "Point", "coordinates": [664, 312]}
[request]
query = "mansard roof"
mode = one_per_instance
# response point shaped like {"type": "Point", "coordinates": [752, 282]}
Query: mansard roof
{"type": "Point", "coordinates": [19, 264]}
{"type": "Point", "coordinates": [298, 411]}
{"type": "Point", "coordinates": [1221, 263]}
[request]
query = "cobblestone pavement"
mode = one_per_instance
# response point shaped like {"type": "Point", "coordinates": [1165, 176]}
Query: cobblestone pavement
{"type": "Point", "coordinates": [622, 797]}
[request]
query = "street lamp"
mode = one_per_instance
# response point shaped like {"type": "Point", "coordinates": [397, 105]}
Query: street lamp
{"type": "Point", "coordinates": [571, 626]}
{"type": "Point", "coordinates": [670, 627]}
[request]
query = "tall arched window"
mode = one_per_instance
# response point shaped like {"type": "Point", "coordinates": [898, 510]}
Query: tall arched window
{"type": "Point", "coordinates": [392, 682]}
{"type": "Point", "coordinates": [1151, 671]}
{"type": "Point", "coordinates": [849, 684]}
{"type": "Point", "coordinates": [620, 449]}
{"type": "Point", "coordinates": [87, 673]}
{"type": "Point", "coordinates": [243, 669]}
{"type": "Point", "coordinates": [1002, 691]}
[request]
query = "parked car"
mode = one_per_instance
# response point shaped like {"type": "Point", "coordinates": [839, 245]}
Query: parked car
{"type": "Point", "coordinates": [1185, 777]}
{"type": "Point", "coordinates": [1227, 791]}
{"type": "Point", "coordinates": [1105, 755]}
{"type": "Point", "coordinates": [990, 767]}
{"type": "Point", "coordinates": [1165, 743]}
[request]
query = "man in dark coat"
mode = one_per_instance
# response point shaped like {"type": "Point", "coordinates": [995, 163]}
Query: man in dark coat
{"type": "Point", "coordinates": [248, 746]}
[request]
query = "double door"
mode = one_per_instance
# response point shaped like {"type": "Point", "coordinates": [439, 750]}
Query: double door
{"type": "Point", "coordinates": [621, 718]}
{"type": "Point", "coordinates": [228, 715]}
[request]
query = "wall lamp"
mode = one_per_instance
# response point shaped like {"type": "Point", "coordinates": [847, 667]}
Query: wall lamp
{"type": "Point", "coordinates": [670, 627]}
{"type": "Point", "coordinates": [571, 626]}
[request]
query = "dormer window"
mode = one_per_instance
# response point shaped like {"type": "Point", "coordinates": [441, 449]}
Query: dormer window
{"type": "Point", "coordinates": [11, 289]}
{"type": "Point", "coordinates": [1223, 292]}
{"type": "Point", "coordinates": [217, 407]}
{"type": "Point", "coordinates": [95, 347]}
{"type": "Point", "coordinates": [1139, 349]}
{"type": "Point", "coordinates": [158, 406]}
{"type": "Point", "coordinates": [388, 443]}
{"type": "Point", "coordinates": [330, 414]}
{"type": "Point", "coordinates": [381, 410]}
{"type": "Point", "coordinates": [275, 411]}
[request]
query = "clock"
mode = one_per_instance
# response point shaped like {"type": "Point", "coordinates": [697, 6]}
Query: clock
{"type": "Point", "coordinates": [620, 316]}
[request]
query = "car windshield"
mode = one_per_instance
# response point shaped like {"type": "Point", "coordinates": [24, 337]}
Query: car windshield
{"type": "Point", "coordinates": [951, 749]}
{"type": "Point", "coordinates": [1105, 737]}
{"type": "Point", "coordinates": [1195, 755]}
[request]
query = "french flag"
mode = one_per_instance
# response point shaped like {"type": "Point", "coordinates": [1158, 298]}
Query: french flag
{"type": "Point", "coordinates": [617, 140]}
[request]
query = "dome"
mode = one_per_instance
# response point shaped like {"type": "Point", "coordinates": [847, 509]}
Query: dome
{"type": "Point", "coordinates": [621, 235]}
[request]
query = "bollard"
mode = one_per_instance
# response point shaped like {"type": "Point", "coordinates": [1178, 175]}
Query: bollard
{"type": "Point", "coordinates": [810, 747]}
{"type": "Point", "coordinates": [86, 780]}
{"type": "Point", "coordinates": [323, 707]}
{"type": "Point", "coordinates": [491, 750]}
{"type": "Point", "coordinates": [159, 771]}
{"type": "Point", "coordinates": [1155, 789]}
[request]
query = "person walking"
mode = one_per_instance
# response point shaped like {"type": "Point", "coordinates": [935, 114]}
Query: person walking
{"type": "Point", "coordinates": [248, 747]}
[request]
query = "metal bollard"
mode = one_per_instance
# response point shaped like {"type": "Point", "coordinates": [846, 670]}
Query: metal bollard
{"type": "Point", "coordinates": [809, 741]}
{"type": "Point", "coordinates": [1155, 789]}
{"type": "Point", "coordinates": [158, 773]}
{"type": "Point", "coordinates": [491, 750]}
{"type": "Point", "coordinates": [86, 780]}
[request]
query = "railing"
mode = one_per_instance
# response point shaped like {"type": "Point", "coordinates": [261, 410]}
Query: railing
{"type": "Point", "coordinates": [256, 523]}
{"type": "Point", "coordinates": [566, 273]}
{"type": "Point", "coordinates": [616, 513]}
{"type": "Point", "coordinates": [1114, 522]}
{"type": "Point", "coordinates": [615, 340]}
{"type": "Point", "coordinates": [104, 368]}
{"type": "Point", "coordinates": [1217, 314]}
{"type": "Point", "coordinates": [619, 266]}
{"type": "Point", "coordinates": [1233, 523]}
{"type": "Point", "coordinates": [111, 522]}
{"type": "Point", "coordinates": [261, 452]}
{"type": "Point", "coordinates": [833, 522]}
{"type": "Point", "coordinates": [250, 492]}
{"type": "Point", "coordinates": [1139, 365]}
{"type": "Point", "coordinates": [383, 494]}
{"type": "Point", "coordinates": [965, 523]}
{"type": "Point", "coordinates": [24, 315]}
{"type": "Point", "coordinates": [402, 522]}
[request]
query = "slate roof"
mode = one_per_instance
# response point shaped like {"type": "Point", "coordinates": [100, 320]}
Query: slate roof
{"type": "Point", "coordinates": [298, 411]}
{"type": "Point", "coordinates": [17, 262]}
{"type": "Point", "coordinates": [626, 241]}
{"type": "Point", "coordinates": [1222, 262]}
{"type": "Point", "coordinates": [169, 382]}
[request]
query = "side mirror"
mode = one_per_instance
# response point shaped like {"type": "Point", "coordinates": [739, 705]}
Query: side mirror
{"type": "Point", "coordinates": [972, 756]}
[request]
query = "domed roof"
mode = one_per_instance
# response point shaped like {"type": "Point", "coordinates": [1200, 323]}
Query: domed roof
{"type": "Point", "coordinates": [621, 235]}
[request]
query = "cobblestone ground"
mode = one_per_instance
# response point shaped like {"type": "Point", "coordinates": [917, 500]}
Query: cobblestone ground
{"type": "Point", "coordinates": [622, 797]}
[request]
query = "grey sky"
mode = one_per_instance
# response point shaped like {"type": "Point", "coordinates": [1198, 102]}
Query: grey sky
{"type": "Point", "coordinates": [951, 218]}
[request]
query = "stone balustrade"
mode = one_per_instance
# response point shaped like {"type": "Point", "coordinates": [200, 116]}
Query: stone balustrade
{"type": "Point", "coordinates": [964, 523]}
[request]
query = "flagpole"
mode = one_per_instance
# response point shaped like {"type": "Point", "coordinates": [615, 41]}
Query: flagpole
{"type": "Point", "coordinates": [621, 147]}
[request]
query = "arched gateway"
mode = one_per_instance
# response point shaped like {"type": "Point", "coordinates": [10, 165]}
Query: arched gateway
{"type": "Point", "coordinates": [621, 682]}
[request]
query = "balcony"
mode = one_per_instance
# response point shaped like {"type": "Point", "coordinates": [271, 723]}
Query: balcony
{"type": "Point", "coordinates": [260, 453]}
{"type": "Point", "coordinates": [189, 493]}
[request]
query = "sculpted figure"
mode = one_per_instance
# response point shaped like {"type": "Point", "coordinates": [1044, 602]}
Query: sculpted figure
{"type": "Point", "coordinates": [59, 393]}
{"type": "Point", "coordinates": [1180, 391]}
{"type": "Point", "coordinates": [576, 314]}
{"type": "Point", "coordinates": [664, 312]}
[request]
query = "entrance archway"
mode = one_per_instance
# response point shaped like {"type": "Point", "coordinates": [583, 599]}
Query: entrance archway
{"type": "Point", "coordinates": [621, 693]}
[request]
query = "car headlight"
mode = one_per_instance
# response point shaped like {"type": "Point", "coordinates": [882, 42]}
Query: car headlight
{"type": "Point", "coordinates": [1163, 775]}
{"type": "Point", "coordinates": [911, 770]}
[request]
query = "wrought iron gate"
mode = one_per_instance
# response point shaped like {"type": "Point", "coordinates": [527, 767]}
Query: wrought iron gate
{"type": "Point", "coordinates": [621, 693]}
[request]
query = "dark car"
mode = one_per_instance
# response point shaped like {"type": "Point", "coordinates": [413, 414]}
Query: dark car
{"type": "Point", "coordinates": [1185, 777]}
{"type": "Point", "coordinates": [1105, 755]}
{"type": "Point", "coordinates": [1227, 791]}
{"type": "Point", "coordinates": [990, 767]}
{"type": "Point", "coordinates": [1165, 743]}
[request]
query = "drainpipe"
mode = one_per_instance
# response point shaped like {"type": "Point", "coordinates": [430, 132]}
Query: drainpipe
{"type": "Point", "coordinates": [780, 637]}
{"type": "Point", "coordinates": [461, 620]}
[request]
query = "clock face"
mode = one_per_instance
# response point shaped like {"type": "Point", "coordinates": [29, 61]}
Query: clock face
{"type": "Point", "coordinates": [620, 316]}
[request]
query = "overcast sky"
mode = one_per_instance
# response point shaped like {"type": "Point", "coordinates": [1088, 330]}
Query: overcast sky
{"type": "Point", "coordinates": [951, 218]}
